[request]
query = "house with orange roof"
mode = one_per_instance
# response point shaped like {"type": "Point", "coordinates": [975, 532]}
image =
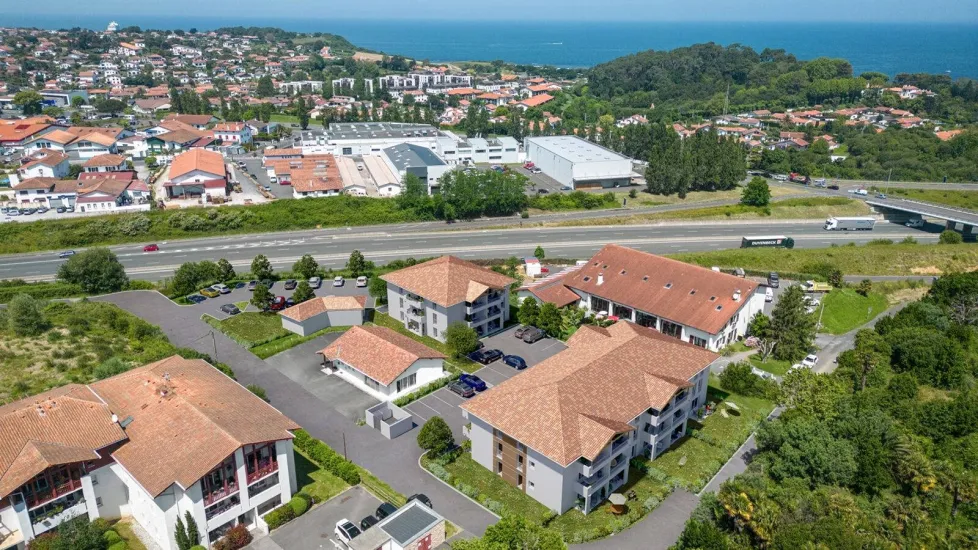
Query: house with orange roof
{"type": "Point", "coordinates": [236, 133]}
{"type": "Point", "coordinates": [565, 431]}
{"type": "Point", "coordinates": [82, 142]}
{"type": "Point", "coordinates": [534, 101]}
{"type": "Point", "coordinates": [197, 173]}
{"type": "Point", "coordinates": [44, 164]}
{"type": "Point", "coordinates": [165, 439]}
{"type": "Point", "coordinates": [105, 163]}
{"type": "Point", "coordinates": [946, 135]}
{"type": "Point", "coordinates": [323, 312]}
{"type": "Point", "coordinates": [15, 134]}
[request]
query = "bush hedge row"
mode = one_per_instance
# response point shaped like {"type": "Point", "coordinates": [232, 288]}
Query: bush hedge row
{"type": "Point", "coordinates": [425, 390]}
{"type": "Point", "coordinates": [278, 517]}
{"type": "Point", "coordinates": [326, 458]}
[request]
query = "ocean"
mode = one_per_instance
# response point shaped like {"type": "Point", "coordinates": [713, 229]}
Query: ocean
{"type": "Point", "coordinates": [890, 48]}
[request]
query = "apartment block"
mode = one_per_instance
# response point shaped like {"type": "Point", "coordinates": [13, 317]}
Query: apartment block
{"type": "Point", "coordinates": [430, 296]}
{"type": "Point", "coordinates": [172, 437]}
{"type": "Point", "coordinates": [565, 430]}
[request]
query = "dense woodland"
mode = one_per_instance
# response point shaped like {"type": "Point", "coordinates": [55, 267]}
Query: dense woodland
{"type": "Point", "coordinates": [880, 454]}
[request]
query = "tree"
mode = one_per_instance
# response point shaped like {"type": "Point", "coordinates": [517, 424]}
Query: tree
{"type": "Point", "coordinates": [950, 237]}
{"type": "Point", "coordinates": [378, 289]}
{"type": "Point", "coordinates": [225, 270]}
{"type": "Point", "coordinates": [356, 264]}
{"type": "Point", "coordinates": [702, 535]}
{"type": "Point", "coordinates": [804, 447]}
{"type": "Point", "coordinates": [29, 101]}
{"type": "Point", "coordinates": [191, 276]}
{"type": "Point", "coordinates": [193, 534]}
{"type": "Point", "coordinates": [538, 253]}
{"type": "Point", "coordinates": [79, 535]}
{"type": "Point", "coordinates": [865, 287]}
{"type": "Point", "coordinates": [514, 532]}
{"type": "Point", "coordinates": [302, 112]}
{"type": "Point", "coordinates": [811, 394]}
{"type": "Point", "coordinates": [302, 292]}
{"type": "Point", "coordinates": [960, 482]}
{"type": "Point", "coordinates": [306, 267]}
{"type": "Point", "coordinates": [461, 339]}
{"type": "Point", "coordinates": [180, 534]}
{"type": "Point", "coordinates": [792, 327]}
{"type": "Point", "coordinates": [436, 436]}
{"type": "Point", "coordinates": [25, 316]}
{"type": "Point", "coordinates": [261, 298]}
{"type": "Point", "coordinates": [756, 193]}
{"type": "Point", "coordinates": [549, 319]}
{"type": "Point", "coordinates": [261, 268]}
{"type": "Point", "coordinates": [760, 328]}
{"type": "Point", "coordinates": [871, 352]}
{"type": "Point", "coordinates": [96, 271]}
{"type": "Point", "coordinates": [265, 87]}
{"type": "Point", "coordinates": [528, 312]}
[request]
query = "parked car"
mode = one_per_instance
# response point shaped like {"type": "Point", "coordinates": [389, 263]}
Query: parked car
{"type": "Point", "coordinates": [210, 292]}
{"type": "Point", "coordinates": [880, 195]}
{"type": "Point", "coordinates": [422, 499]}
{"type": "Point", "coordinates": [338, 281]}
{"type": "Point", "coordinates": [239, 284]}
{"type": "Point", "coordinates": [834, 186]}
{"type": "Point", "coordinates": [485, 356]}
{"type": "Point", "coordinates": [315, 282]}
{"type": "Point", "coordinates": [461, 388]}
{"type": "Point", "coordinates": [542, 191]}
{"type": "Point", "coordinates": [768, 294]}
{"type": "Point", "coordinates": [536, 171]}
{"type": "Point", "coordinates": [368, 522]}
{"type": "Point", "coordinates": [151, 248]}
{"type": "Point", "coordinates": [515, 361]}
{"type": "Point", "coordinates": [520, 331]}
{"type": "Point", "coordinates": [361, 281]}
{"type": "Point", "coordinates": [346, 531]}
{"type": "Point", "coordinates": [809, 361]}
{"type": "Point", "coordinates": [474, 381]}
{"type": "Point", "coordinates": [67, 254]}
{"type": "Point", "coordinates": [61, 210]}
{"type": "Point", "coordinates": [384, 510]}
{"type": "Point", "coordinates": [196, 299]}
{"type": "Point", "coordinates": [278, 303]}
{"type": "Point", "coordinates": [773, 280]}
{"type": "Point", "coordinates": [268, 283]}
{"type": "Point", "coordinates": [289, 302]}
{"type": "Point", "coordinates": [230, 309]}
{"type": "Point", "coordinates": [533, 335]}
{"type": "Point", "coordinates": [290, 284]}
{"type": "Point", "coordinates": [222, 288]}
{"type": "Point", "coordinates": [252, 285]}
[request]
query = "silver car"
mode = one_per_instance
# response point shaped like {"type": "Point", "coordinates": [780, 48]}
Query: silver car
{"type": "Point", "coordinates": [315, 282]}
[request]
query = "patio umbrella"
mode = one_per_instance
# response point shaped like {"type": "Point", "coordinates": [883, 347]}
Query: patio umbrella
{"type": "Point", "coordinates": [617, 499]}
{"type": "Point", "coordinates": [732, 405]}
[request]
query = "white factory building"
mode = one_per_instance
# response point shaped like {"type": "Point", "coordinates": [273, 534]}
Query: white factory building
{"type": "Point", "coordinates": [578, 163]}
{"type": "Point", "coordinates": [369, 138]}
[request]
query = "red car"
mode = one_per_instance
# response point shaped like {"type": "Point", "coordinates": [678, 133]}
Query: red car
{"type": "Point", "coordinates": [151, 248]}
{"type": "Point", "coordinates": [277, 304]}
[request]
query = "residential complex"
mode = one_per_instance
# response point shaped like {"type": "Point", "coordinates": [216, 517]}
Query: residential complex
{"type": "Point", "coordinates": [382, 362]}
{"type": "Point", "coordinates": [565, 430]}
{"type": "Point", "coordinates": [430, 296]}
{"type": "Point", "coordinates": [694, 304]}
{"type": "Point", "coordinates": [153, 444]}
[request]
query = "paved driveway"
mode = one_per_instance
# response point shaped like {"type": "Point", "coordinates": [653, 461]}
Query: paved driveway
{"type": "Point", "coordinates": [212, 306]}
{"type": "Point", "coordinates": [531, 353]}
{"type": "Point", "coordinates": [315, 528]}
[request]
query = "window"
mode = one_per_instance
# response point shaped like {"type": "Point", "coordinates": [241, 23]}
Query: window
{"type": "Point", "coordinates": [94, 479]}
{"type": "Point", "coordinates": [519, 460]}
{"type": "Point", "coordinates": [499, 468]}
{"type": "Point", "coordinates": [672, 329]}
{"type": "Point", "coordinates": [645, 320]}
{"type": "Point", "coordinates": [434, 332]}
{"type": "Point", "coordinates": [533, 464]}
{"type": "Point", "coordinates": [499, 447]}
{"type": "Point", "coordinates": [407, 382]}
{"type": "Point", "coordinates": [697, 341]}
{"type": "Point", "coordinates": [531, 485]}
{"type": "Point", "coordinates": [98, 501]}
{"type": "Point", "coordinates": [519, 479]}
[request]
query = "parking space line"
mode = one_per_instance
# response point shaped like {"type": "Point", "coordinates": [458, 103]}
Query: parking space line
{"type": "Point", "coordinates": [415, 413]}
{"type": "Point", "coordinates": [445, 402]}
{"type": "Point", "coordinates": [429, 406]}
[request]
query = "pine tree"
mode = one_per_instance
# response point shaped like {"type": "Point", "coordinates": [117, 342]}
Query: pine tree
{"type": "Point", "coordinates": [183, 541]}
{"type": "Point", "coordinates": [193, 535]}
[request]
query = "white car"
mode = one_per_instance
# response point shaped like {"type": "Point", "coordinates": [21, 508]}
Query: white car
{"type": "Point", "coordinates": [809, 361]}
{"type": "Point", "coordinates": [797, 366]}
{"type": "Point", "coordinates": [315, 282]}
{"type": "Point", "coordinates": [346, 531]}
{"type": "Point", "coordinates": [361, 281]}
{"type": "Point", "coordinates": [338, 281]}
{"type": "Point", "coordinates": [916, 222]}
{"type": "Point", "coordinates": [769, 294]}
{"type": "Point", "coordinates": [862, 192]}
{"type": "Point", "coordinates": [223, 289]}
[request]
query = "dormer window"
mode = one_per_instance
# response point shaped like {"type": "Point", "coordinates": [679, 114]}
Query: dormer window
{"type": "Point", "coordinates": [668, 285]}
{"type": "Point", "coordinates": [622, 271]}
{"type": "Point", "coordinates": [587, 278]}
{"type": "Point", "coordinates": [713, 298]}
{"type": "Point", "coordinates": [645, 278]}
{"type": "Point", "coordinates": [719, 308]}
{"type": "Point", "coordinates": [692, 292]}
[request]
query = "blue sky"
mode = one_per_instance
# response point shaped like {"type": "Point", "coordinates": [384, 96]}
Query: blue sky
{"type": "Point", "coordinates": [960, 11]}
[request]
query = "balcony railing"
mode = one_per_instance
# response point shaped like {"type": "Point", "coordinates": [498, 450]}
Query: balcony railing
{"type": "Point", "coordinates": [262, 486]}
{"type": "Point", "coordinates": [264, 469]}
{"type": "Point", "coordinates": [415, 312]}
{"type": "Point", "coordinates": [619, 443]}
{"type": "Point", "coordinates": [589, 481]}
{"type": "Point", "coordinates": [222, 507]}
{"type": "Point", "coordinates": [58, 491]}
{"type": "Point", "coordinates": [219, 493]}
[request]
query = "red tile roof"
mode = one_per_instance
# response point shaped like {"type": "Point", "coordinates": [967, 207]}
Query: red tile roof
{"type": "Point", "coordinates": [378, 352]}
{"type": "Point", "coordinates": [197, 159]}
{"type": "Point", "coordinates": [316, 306]}
{"type": "Point", "coordinates": [447, 280]}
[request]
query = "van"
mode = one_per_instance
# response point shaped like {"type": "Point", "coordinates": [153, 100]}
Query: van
{"type": "Point", "coordinates": [769, 294]}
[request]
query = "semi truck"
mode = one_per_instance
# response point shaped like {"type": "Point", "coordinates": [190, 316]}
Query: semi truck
{"type": "Point", "coordinates": [771, 241]}
{"type": "Point", "coordinates": [850, 224]}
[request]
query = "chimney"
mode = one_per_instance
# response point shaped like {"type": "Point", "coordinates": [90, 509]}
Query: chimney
{"type": "Point", "coordinates": [115, 418]}
{"type": "Point", "coordinates": [736, 295]}
{"type": "Point", "coordinates": [600, 279]}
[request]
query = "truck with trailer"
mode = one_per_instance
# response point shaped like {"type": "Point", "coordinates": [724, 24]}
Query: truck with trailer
{"type": "Point", "coordinates": [815, 286]}
{"type": "Point", "coordinates": [769, 241]}
{"type": "Point", "coordinates": [864, 223]}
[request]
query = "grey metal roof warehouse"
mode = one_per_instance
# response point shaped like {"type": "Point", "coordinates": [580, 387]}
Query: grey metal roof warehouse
{"type": "Point", "coordinates": [378, 130]}
{"type": "Point", "coordinates": [575, 149]}
{"type": "Point", "coordinates": [409, 155]}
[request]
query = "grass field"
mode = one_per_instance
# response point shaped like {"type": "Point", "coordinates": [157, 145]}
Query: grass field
{"type": "Point", "coordinates": [250, 329]}
{"type": "Point", "coordinates": [773, 366]}
{"type": "Point", "coordinates": [292, 119]}
{"type": "Point", "coordinates": [895, 259]}
{"type": "Point", "coordinates": [844, 309]}
{"type": "Point", "coordinates": [268, 349]}
{"type": "Point", "coordinates": [315, 481]}
{"type": "Point", "coordinates": [644, 199]}
{"type": "Point", "coordinates": [961, 199]}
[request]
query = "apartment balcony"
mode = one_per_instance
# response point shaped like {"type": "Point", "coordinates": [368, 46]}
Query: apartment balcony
{"type": "Point", "coordinates": [56, 512]}
{"type": "Point", "coordinates": [263, 485]}
{"type": "Point", "coordinates": [264, 469]}
{"type": "Point", "coordinates": [222, 507]}
{"type": "Point", "coordinates": [476, 305]}
{"type": "Point", "coordinates": [619, 443]}
{"type": "Point", "coordinates": [592, 480]}
{"type": "Point", "coordinates": [220, 493]}
{"type": "Point", "coordinates": [414, 300]}
{"type": "Point", "coordinates": [617, 461]}
{"type": "Point", "coordinates": [415, 313]}
{"type": "Point", "coordinates": [594, 466]}
{"type": "Point", "coordinates": [58, 491]}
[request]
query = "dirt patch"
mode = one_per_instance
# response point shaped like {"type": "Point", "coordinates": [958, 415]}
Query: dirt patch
{"type": "Point", "coordinates": [929, 270]}
{"type": "Point", "coordinates": [906, 295]}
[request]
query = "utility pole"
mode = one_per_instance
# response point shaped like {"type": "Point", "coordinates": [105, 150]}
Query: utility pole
{"type": "Point", "coordinates": [214, 342]}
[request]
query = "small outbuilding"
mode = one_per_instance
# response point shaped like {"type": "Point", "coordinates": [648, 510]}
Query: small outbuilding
{"type": "Point", "coordinates": [324, 312]}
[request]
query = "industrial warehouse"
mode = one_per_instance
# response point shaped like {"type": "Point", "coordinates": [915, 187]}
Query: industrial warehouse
{"type": "Point", "coordinates": [578, 163]}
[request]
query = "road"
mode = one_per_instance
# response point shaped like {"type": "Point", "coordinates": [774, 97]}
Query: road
{"type": "Point", "coordinates": [332, 247]}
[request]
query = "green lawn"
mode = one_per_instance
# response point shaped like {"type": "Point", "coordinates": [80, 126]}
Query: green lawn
{"type": "Point", "coordinates": [844, 309]}
{"type": "Point", "coordinates": [961, 199]}
{"type": "Point", "coordinates": [315, 481]}
{"type": "Point", "coordinates": [250, 328]}
{"type": "Point", "coordinates": [124, 528]}
{"type": "Point", "coordinates": [736, 347]}
{"type": "Point", "coordinates": [268, 349]}
{"type": "Point", "coordinates": [380, 488]}
{"type": "Point", "coordinates": [242, 305]}
{"type": "Point", "coordinates": [463, 363]}
{"type": "Point", "coordinates": [772, 365]}
{"type": "Point", "coordinates": [292, 119]}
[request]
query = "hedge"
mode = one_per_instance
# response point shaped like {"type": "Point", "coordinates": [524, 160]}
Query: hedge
{"type": "Point", "coordinates": [283, 514]}
{"type": "Point", "coordinates": [327, 458]}
{"type": "Point", "coordinates": [300, 503]}
{"type": "Point", "coordinates": [425, 390]}
{"type": "Point", "coordinates": [111, 537]}
{"type": "Point", "coordinates": [40, 291]}
{"type": "Point", "coordinates": [121, 545]}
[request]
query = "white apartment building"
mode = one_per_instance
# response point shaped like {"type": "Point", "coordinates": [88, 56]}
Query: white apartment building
{"type": "Point", "coordinates": [497, 150]}
{"type": "Point", "coordinates": [565, 430]}
{"type": "Point", "coordinates": [429, 296]}
{"type": "Point", "coordinates": [694, 304]}
{"type": "Point", "coordinates": [154, 443]}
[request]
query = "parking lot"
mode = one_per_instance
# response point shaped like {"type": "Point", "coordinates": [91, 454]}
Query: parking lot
{"type": "Point", "coordinates": [444, 402]}
{"type": "Point", "coordinates": [316, 528]}
{"type": "Point", "coordinates": [212, 306]}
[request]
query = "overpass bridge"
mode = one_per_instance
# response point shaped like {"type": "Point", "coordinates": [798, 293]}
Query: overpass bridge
{"type": "Point", "coordinates": [967, 219]}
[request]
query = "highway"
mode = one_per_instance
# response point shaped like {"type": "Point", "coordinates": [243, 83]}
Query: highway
{"type": "Point", "coordinates": [381, 244]}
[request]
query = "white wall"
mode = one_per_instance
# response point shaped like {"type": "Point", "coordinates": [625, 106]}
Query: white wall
{"type": "Point", "coordinates": [110, 487]}
{"type": "Point", "coordinates": [196, 176]}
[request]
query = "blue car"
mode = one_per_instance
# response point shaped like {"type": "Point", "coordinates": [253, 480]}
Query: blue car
{"type": "Point", "coordinates": [474, 381]}
{"type": "Point", "coordinates": [196, 298]}
{"type": "Point", "coordinates": [515, 361]}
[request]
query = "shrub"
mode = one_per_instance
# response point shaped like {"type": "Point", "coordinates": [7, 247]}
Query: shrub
{"type": "Point", "coordinates": [425, 390]}
{"type": "Point", "coordinates": [651, 503]}
{"type": "Point", "coordinates": [120, 545]}
{"type": "Point", "coordinates": [436, 436]}
{"type": "Point", "coordinates": [258, 391]}
{"type": "Point", "coordinates": [656, 474]}
{"type": "Point", "coordinates": [439, 471]}
{"type": "Point", "coordinates": [101, 524]}
{"type": "Point", "coordinates": [236, 537]}
{"type": "Point", "coordinates": [878, 242]}
{"type": "Point", "coordinates": [494, 506]}
{"type": "Point", "coordinates": [951, 237]}
{"type": "Point", "coordinates": [740, 378]}
{"type": "Point", "coordinates": [279, 516]}
{"type": "Point", "coordinates": [111, 537]}
{"type": "Point", "coordinates": [139, 284]}
{"type": "Point", "coordinates": [908, 240]}
{"type": "Point", "coordinates": [300, 503]}
{"type": "Point", "coordinates": [326, 457]}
